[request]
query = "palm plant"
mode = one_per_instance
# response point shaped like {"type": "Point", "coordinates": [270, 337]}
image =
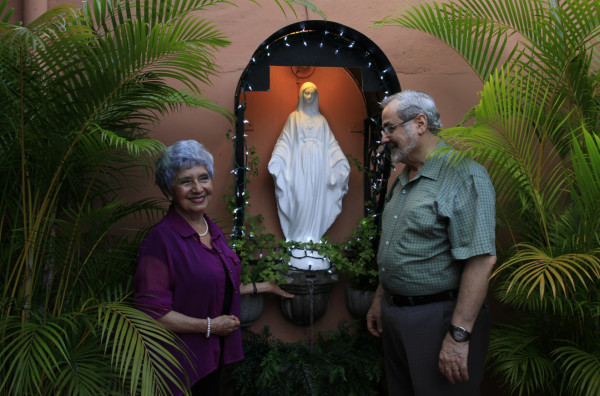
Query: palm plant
{"type": "Point", "coordinates": [536, 127]}
{"type": "Point", "coordinates": [80, 89]}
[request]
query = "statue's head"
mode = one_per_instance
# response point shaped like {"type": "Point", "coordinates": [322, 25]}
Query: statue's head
{"type": "Point", "coordinates": [308, 99]}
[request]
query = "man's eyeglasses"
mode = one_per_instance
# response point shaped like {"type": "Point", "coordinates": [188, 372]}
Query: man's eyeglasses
{"type": "Point", "coordinates": [388, 130]}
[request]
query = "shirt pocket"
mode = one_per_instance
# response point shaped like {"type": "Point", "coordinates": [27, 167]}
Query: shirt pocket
{"type": "Point", "coordinates": [422, 219]}
{"type": "Point", "coordinates": [233, 264]}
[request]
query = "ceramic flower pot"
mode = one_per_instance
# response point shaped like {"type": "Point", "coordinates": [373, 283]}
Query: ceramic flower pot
{"type": "Point", "coordinates": [357, 301]}
{"type": "Point", "coordinates": [311, 295]}
{"type": "Point", "coordinates": [252, 306]}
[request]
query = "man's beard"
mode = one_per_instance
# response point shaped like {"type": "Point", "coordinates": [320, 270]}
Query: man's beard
{"type": "Point", "coordinates": [398, 155]}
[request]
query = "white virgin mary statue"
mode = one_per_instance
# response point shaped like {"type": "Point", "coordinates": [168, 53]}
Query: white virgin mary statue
{"type": "Point", "coordinates": [311, 177]}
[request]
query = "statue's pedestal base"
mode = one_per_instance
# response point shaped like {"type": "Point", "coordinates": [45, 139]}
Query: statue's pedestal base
{"type": "Point", "coordinates": [311, 290]}
{"type": "Point", "coordinates": [308, 260]}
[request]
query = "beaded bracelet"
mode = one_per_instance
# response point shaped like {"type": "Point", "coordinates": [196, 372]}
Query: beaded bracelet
{"type": "Point", "coordinates": [208, 328]}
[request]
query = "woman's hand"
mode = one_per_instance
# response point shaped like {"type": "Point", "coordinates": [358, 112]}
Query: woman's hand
{"type": "Point", "coordinates": [264, 287]}
{"type": "Point", "coordinates": [275, 289]}
{"type": "Point", "coordinates": [224, 325]}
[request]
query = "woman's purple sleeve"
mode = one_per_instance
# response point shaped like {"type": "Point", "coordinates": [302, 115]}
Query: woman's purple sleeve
{"type": "Point", "coordinates": [153, 279]}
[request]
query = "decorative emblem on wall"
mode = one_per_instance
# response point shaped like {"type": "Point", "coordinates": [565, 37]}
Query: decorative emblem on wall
{"type": "Point", "coordinates": [303, 71]}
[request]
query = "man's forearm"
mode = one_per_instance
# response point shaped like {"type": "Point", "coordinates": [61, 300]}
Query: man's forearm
{"type": "Point", "coordinates": [473, 290]}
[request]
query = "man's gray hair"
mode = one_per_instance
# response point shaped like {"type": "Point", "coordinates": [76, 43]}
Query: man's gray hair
{"type": "Point", "coordinates": [184, 154]}
{"type": "Point", "coordinates": [412, 103]}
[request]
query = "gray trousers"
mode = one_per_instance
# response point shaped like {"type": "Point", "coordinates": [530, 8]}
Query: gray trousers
{"type": "Point", "coordinates": [412, 339]}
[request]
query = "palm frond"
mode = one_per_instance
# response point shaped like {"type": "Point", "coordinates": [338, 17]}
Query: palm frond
{"type": "Point", "coordinates": [519, 359]}
{"type": "Point", "coordinates": [85, 371]}
{"type": "Point", "coordinates": [5, 15]}
{"type": "Point", "coordinates": [303, 3]}
{"type": "Point", "coordinates": [30, 353]}
{"type": "Point", "coordinates": [586, 174]}
{"type": "Point", "coordinates": [511, 136]}
{"type": "Point", "coordinates": [137, 349]}
{"type": "Point", "coordinates": [581, 370]}
{"type": "Point", "coordinates": [533, 270]}
{"type": "Point", "coordinates": [482, 42]}
{"type": "Point", "coordinates": [81, 89]}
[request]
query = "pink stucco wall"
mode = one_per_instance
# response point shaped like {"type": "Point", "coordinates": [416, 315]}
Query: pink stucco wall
{"type": "Point", "coordinates": [421, 62]}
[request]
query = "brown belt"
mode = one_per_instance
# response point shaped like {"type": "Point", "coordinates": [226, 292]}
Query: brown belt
{"type": "Point", "coordinates": [402, 301]}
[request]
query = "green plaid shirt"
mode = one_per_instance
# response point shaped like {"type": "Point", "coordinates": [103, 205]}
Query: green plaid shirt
{"type": "Point", "coordinates": [433, 223]}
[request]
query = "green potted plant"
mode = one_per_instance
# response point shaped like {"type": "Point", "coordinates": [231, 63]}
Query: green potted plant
{"type": "Point", "coordinates": [358, 260]}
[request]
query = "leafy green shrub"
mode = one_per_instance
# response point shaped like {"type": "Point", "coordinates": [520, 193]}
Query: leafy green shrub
{"type": "Point", "coordinates": [344, 362]}
{"type": "Point", "coordinates": [359, 253]}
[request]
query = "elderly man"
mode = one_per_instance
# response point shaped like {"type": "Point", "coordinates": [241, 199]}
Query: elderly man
{"type": "Point", "coordinates": [436, 253]}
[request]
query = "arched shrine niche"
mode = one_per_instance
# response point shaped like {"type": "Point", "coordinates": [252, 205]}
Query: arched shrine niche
{"type": "Point", "coordinates": [352, 75]}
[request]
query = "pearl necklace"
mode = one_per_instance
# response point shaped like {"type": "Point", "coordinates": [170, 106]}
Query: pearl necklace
{"type": "Point", "coordinates": [206, 225]}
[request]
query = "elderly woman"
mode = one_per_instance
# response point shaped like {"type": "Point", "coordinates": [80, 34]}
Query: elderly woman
{"type": "Point", "coordinates": [188, 278]}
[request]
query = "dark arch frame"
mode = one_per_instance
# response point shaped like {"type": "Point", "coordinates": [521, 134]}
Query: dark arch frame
{"type": "Point", "coordinates": [321, 43]}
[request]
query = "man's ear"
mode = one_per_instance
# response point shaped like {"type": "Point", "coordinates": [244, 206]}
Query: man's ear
{"type": "Point", "coordinates": [421, 122]}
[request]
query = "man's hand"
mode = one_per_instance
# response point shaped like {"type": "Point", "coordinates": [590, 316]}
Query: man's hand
{"type": "Point", "coordinates": [453, 360]}
{"type": "Point", "coordinates": [473, 289]}
{"type": "Point", "coordinates": [374, 314]}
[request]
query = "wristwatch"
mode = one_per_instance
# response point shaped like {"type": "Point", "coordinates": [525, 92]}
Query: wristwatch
{"type": "Point", "coordinates": [459, 334]}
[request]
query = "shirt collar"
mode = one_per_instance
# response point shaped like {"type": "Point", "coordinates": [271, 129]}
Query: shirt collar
{"type": "Point", "coordinates": [432, 167]}
{"type": "Point", "coordinates": [183, 227]}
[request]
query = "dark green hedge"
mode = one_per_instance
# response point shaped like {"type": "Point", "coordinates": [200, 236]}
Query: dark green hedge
{"type": "Point", "coordinates": [344, 362]}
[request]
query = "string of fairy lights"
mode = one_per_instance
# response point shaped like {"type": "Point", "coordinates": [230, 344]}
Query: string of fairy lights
{"type": "Point", "coordinates": [325, 42]}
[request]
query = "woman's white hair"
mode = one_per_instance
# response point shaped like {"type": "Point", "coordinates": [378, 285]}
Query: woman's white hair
{"type": "Point", "coordinates": [184, 154]}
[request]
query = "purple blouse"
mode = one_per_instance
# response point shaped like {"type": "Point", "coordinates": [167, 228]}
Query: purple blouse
{"type": "Point", "coordinates": [176, 272]}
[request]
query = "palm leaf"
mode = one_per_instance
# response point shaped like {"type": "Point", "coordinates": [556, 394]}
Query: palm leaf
{"type": "Point", "coordinates": [5, 16]}
{"type": "Point", "coordinates": [85, 371]}
{"type": "Point", "coordinates": [581, 370]}
{"type": "Point", "coordinates": [533, 270]}
{"type": "Point", "coordinates": [518, 358]}
{"type": "Point", "coordinates": [586, 174]}
{"type": "Point", "coordinates": [555, 42]}
{"type": "Point", "coordinates": [30, 353]}
{"type": "Point", "coordinates": [137, 349]}
{"type": "Point", "coordinates": [480, 41]}
{"type": "Point", "coordinates": [510, 135]}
